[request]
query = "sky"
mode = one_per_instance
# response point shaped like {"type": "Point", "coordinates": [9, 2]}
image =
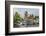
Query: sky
{"type": "Point", "coordinates": [21, 11]}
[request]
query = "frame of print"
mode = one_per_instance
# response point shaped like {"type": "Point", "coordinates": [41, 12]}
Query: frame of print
{"type": "Point", "coordinates": [24, 17]}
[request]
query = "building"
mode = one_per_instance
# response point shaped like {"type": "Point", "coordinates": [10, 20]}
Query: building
{"type": "Point", "coordinates": [29, 18]}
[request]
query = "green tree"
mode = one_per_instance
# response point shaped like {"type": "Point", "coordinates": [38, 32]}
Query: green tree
{"type": "Point", "coordinates": [36, 17]}
{"type": "Point", "coordinates": [17, 17]}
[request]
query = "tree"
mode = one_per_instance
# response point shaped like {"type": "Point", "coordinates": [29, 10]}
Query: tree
{"type": "Point", "coordinates": [26, 14]}
{"type": "Point", "coordinates": [36, 17]}
{"type": "Point", "coordinates": [17, 17]}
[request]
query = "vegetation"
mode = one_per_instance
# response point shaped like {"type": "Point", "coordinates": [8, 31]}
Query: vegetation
{"type": "Point", "coordinates": [17, 18]}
